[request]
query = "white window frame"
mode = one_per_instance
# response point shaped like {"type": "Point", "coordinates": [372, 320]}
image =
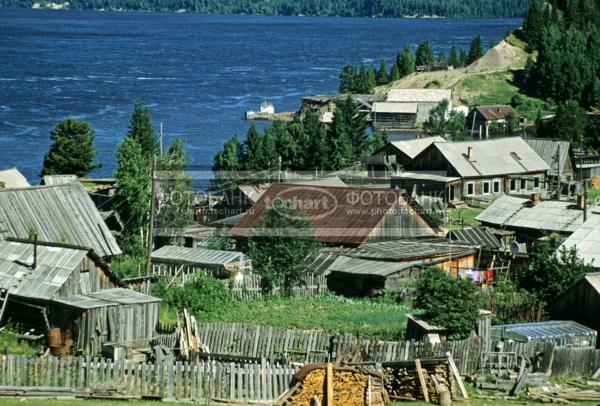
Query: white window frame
{"type": "Point", "coordinates": [510, 183]}
{"type": "Point", "coordinates": [467, 188]}
{"type": "Point", "coordinates": [523, 182]}
{"type": "Point", "coordinates": [489, 187]}
{"type": "Point", "coordinates": [537, 179]}
{"type": "Point", "coordinates": [499, 183]}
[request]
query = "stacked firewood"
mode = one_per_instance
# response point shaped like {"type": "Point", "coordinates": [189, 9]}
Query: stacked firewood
{"type": "Point", "coordinates": [351, 387]}
{"type": "Point", "coordinates": [402, 381]}
{"type": "Point", "coordinates": [189, 338]}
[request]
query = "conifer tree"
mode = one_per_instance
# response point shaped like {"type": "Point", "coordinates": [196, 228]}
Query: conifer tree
{"type": "Point", "coordinates": [395, 73]}
{"type": "Point", "coordinates": [348, 79]}
{"type": "Point", "coordinates": [463, 58]}
{"type": "Point", "coordinates": [253, 150]}
{"type": "Point", "coordinates": [141, 130]}
{"type": "Point", "coordinates": [476, 50]}
{"type": "Point", "coordinates": [406, 61]}
{"type": "Point", "coordinates": [72, 150]}
{"type": "Point", "coordinates": [424, 54]}
{"type": "Point", "coordinates": [453, 58]}
{"type": "Point", "coordinates": [370, 80]}
{"type": "Point", "coordinates": [383, 77]}
{"type": "Point", "coordinates": [442, 58]}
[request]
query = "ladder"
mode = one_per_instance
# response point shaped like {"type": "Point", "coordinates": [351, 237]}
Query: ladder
{"type": "Point", "coordinates": [3, 302]}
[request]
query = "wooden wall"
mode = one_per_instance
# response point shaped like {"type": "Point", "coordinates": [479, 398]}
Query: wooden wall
{"type": "Point", "coordinates": [402, 221]}
{"type": "Point", "coordinates": [580, 304]}
{"type": "Point", "coordinates": [86, 278]}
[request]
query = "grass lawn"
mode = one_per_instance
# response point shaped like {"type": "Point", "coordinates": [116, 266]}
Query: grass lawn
{"type": "Point", "coordinates": [466, 213]}
{"type": "Point", "coordinates": [335, 314]}
{"type": "Point", "coordinates": [593, 194]}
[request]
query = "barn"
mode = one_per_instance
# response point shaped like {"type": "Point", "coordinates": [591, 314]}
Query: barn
{"type": "Point", "coordinates": [70, 294]}
{"type": "Point", "coordinates": [580, 302]}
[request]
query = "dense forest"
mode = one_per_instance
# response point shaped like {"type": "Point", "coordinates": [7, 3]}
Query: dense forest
{"type": "Point", "coordinates": [341, 8]}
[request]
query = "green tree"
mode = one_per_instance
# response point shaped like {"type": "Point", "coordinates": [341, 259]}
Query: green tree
{"type": "Point", "coordinates": [395, 73]}
{"type": "Point", "coordinates": [453, 58]}
{"type": "Point", "coordinates": [317, 151]}
{"type": "Point", "coordinates": [569, 123]}
{"type": "Point", "coordinates": [176, 197]}
{"type": "Point", "coordinates": [463, 58]}
{"type": "Point", "coordinates": [476, 50]}
{"type": "Point", "coordinates": [132, 197]}
{"type": "Point", "coordinates": [547, 274]}
{"type": "Point", "coordinates": [442, 58]}
{"type": "Point", "coordinates": [447, 301]}
{"type": "Point", "coordinates": [383, 77]}
{"type": "Point", "coordinates": [534, 25]}
{"type": "Point", "coordinates": [370, 80]}
{"type": "Point", "coordinates": [406, 61]}
{"type": "Point", "coordinates": [227, 162]}
{"type": "Point", "coordinates": [446, 122]}
{"type": "Point", "coordinates": [141, 130]}
{"type": "Point", "coordinates": [281, 247]}
{"type": "Point", "coordinates": [424, 54]}
{"type": "Point", "coordinates": [253, 150]}
{"type": "Point", "coordinates": [512, 122]}
{"type": "Point", "coordinates": [72, 149]}
{"type": "Point", "coordinates": [376, 142]}
{"type": "Point", "coordinates": [348, 136]}
{"type": "Point", "coordinates": [348, 79]}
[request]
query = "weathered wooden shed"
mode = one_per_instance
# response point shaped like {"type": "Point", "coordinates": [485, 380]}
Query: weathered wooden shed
{"type": "Point", "coordinates": [481, 118]}
{"type": "Point", "coordinates": [343, 215]}
{"type": "Point", "coordinates": [181, 263]}
{"type": "Point", "coordinates": [580, 302]}
{"type": "Point", "coordinates": [61, 213]}
{"type": "Point", "coordinates": [70, 293]}
{"type": "Point", "coordinates": [564, 333]}
{"type": "Point", "coordinates": [401, 153]}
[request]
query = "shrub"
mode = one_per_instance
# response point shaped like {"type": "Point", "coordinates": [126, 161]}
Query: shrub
{"type": "Point", "coordinates": [447, 301]}
{"type": "Point", "coordinates": [202, 296]}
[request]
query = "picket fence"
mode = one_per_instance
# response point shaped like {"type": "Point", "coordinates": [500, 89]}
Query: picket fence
{"type": "Point", "coordinates": [250, 287]}
{"type": "Point", "coordinates": [238, 382]}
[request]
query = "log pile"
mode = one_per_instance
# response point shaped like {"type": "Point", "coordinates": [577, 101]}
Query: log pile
{"type": "Point", "coordinates": [190, 346]}
{"type": "Point", "coordinates": [402, 380]}
{"type": "Point", "coordinates": [349, 387]}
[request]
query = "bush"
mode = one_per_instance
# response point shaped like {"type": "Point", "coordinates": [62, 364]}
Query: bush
{"type": "Point", "coordinates": [126, 266]}
{"type": "Point", "coordinates": [447, 301]}
{"type": "Point", "coordinates": [202, 296]}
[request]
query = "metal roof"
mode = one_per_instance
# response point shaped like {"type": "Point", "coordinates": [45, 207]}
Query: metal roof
{"type": "Point", "coordinates": [320, 261]}
{"type": "Point", "coordinates": [586, 239]}
{"type": "Point", "coordinates": [394, 107]}
{"type": "Point", "coordinates": [547, 215]}
{"type": "Point", "coordinates": [340, 215]}
{"type": "Point", "coordinates": [547, 149]}
{"type": "Point", "coordinates": [542, 330]}
{"type": "Point", "coordinates": [56, 213]}
{"type": "Point", "coordinates": [105, 298]}
{"type": "Point", "coordinates": [414, 147]}
{"type": "Point", "coordinates": [480, 236]}
{"type": "Point", "coordinates": [200, 256]}
{"type": "Point", "coordinates": [419, 95]}
{"type": "Point", "coordinates": [496, 112]}
{"type": "Point", "coordinates": [497, 157]}
{"type": "Point", "coordinates": [359, 266]}
{"type": "Point", "coordinates": [230, 221]}
{"type": "Point", "coordinates": [50, 180]}
{"type": "Point", "coordinates": [412, 249]}
{"type": "Point", "coordinates": [12, 178]}
{"type": "Point", "coordinates": [54, 266]}
{"type": "Point", "coordinates": [433, 176]}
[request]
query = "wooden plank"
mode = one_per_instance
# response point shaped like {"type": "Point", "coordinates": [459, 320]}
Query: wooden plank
{"type": "Point", "coordinates": [330, 383]}
{"type": "Point", "coordinates": [422, 380]}
{"type": "Point", "coordinates": [456, 374]}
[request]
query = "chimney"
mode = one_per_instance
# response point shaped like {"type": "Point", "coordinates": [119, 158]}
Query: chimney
{"type": "Point", "coordinates": [469, 152]}
{"type": "Point", "coordinates": [35, 249]}
{"type": "Point", "coordinates": [535, 199]}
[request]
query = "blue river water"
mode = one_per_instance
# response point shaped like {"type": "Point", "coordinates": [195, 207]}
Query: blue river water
{"type": "Point", "coordinates": [197, 73]}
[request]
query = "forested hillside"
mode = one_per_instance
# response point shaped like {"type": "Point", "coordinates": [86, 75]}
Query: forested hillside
{"type": "Point", "coordinates": [343, 8]}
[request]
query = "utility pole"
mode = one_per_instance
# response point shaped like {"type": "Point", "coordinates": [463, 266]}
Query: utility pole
{"type": "Point", "coordinates": [559, 187]}
{"type": "Point", "coordinates": [151, 222]}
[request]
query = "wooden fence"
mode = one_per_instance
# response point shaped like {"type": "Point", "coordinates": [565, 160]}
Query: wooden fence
{"type": "Point", "coordinates": [173, 380]}
{"type": "Point", "coordinates": [251, 288]}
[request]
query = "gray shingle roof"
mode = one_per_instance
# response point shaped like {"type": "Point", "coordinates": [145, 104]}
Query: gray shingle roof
{"type": "Point", "coordinates": [57, 213]}
{"type": "Point", "coordinates": [105, 298]}
{"type": "Point", "coordinates": [502, 156]}
{"type": "Point", "coordinates": [547, 149]}
{"type": "Point", "coordinates": [359, 266]}
{"type": "Point", "coordinates": [586, 239]}
{"type": "Point", "coordinates": [200, 256]}
{"type": "Point", "coordinates": [412, 249]}
{"type": "Point", "coordinates": [412, 148]}
{"type": "Point", "coordinates": [480, 236]}
{"type": "Point", "coordinates": [55, 265]}
{"type": "Point", "coordinates": [548, 215]}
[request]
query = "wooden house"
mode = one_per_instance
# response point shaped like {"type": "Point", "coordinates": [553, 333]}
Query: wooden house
{"type": "Point", "coordinates": [61, 213]}
{"type": "Point", "coordinates": [11, 178]}
{"type": "Point", "coordinates": [393, 265]}
{"type": "Point", "coordinates": [424, 99]}
{"type": "Point", "coordinates": [69, 293]}
{"type": "Point", "coordinates": [324, 104]}
{"type": "Point", "coordinates": [182, 262]}
{"type": "Point", "coordinates": [586, 240]}
{"type": "Point", "coordinates": [399, 154]}
{"type": "Point", "coordinates": [394, 116]}
{"type": "Point", "coordinates": [482, 118]}
{"type": "Point", "coordinates": [475, 169]}
{"type": "Point", "coordinates": [580, 302]}
{"type": "Point", "coordinates": [342, 215]}
{"type": "Point", "coordinates": [558, 155]}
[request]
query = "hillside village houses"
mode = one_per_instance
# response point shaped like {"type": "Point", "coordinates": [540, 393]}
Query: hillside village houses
{"type": "Point", "coordinates": [482, 119]}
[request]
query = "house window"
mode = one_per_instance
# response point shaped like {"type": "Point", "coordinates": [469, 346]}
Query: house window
{"type": "Point", "coordinates": [536, 182]}
{"type": "Point", "coordinates": [513, 185]}
{"type": "Point", "coordinates": [523, 184]}
{"type": "Point", "coordinates": [470, 189]}
{"type": "Point", "coordinates": [496, 186]}
{"type": "Point", "coordinates": [486, 187]}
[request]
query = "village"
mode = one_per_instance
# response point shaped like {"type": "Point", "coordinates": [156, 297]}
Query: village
{"type": "Point", "coordinates": [412, 244]}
